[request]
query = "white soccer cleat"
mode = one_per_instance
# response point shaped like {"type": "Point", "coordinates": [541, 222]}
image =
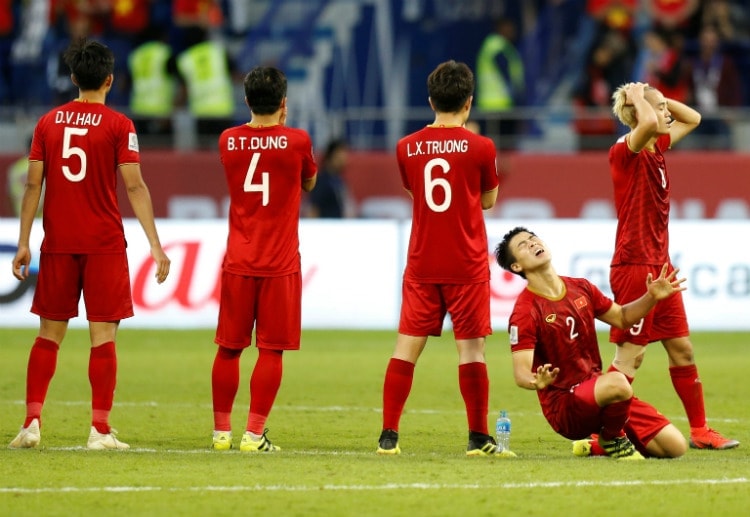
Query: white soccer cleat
{"type": "Point", "coordinates": [28, 437]}
{"type": "Point", "coordinates": [102, 442]}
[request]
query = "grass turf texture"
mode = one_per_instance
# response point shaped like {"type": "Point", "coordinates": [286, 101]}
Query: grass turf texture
{"type": "Point", "coordinates": [327, 421]}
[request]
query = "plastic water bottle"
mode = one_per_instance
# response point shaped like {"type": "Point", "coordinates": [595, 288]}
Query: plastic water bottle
{"type": "Point", "coordinates": [502, 430]}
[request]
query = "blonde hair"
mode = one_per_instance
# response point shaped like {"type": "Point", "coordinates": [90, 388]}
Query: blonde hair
{"type": "Point", "coordinates": [622, 110]}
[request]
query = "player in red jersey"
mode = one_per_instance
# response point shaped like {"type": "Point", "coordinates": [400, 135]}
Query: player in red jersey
{"type": "Point", "coordinates": [77, 150]}
{"type": "Point", "coordinates": [451, 175]}
{"type": "Point", "coordinates": [267, 166]}
{"type": "Point", "coordinates": [641, 192]}
{"type": "Point", "coordinates": [556, 352]}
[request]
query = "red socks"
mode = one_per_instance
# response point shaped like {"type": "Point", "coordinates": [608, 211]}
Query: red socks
{"type": "Point", "coordinates": [264, 385]}
{"type": "Point", "coordinates": [690, 390]}
{"type": "Point", "coordinates": [39, 373]}
{"type": "Point", "coordinates": [398, 380]}
{"type": "Point", "coordinates": [225, 380]}
{"type": "Point", "coordinates": [475, 386]}
{"type": "Point", "coordinates": [103, 377]}
{"type": "Point", "coordinates": [614, 417]}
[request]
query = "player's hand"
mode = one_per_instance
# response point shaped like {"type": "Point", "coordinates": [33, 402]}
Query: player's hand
{"type": "Point", "coordinates": [21, 263]}
{"type": "Point", "coordinates": [162, 264]}
{"type": "Point", "coordinates": [634, 91]}
{"type": "Point", "coordinates": [545, 375]}
{"type": "Point", "coordinates": [666, 284]}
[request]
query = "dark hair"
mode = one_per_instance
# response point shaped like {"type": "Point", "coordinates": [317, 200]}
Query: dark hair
{"type": "Point", "coordinates": [90, 62]}
{"type": "Point", "coordinates": [333, 146]}
{"type": "Point", "coordinates": [450, 85]}
{"type": "Point", "coordinates": [504, 255]}
{"type": "Point", "coordinates": [265, 88]}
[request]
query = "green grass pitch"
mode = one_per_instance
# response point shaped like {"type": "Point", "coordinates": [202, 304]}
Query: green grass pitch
{"type": "Point", "coordinates": [327, 421]}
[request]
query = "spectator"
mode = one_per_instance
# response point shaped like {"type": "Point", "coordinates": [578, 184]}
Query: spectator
{"type": "Point", "coordinates": [665, 67]}
{"type": "Point", "coordinates": [127, 23]}
{"type": "Point", "coordinates": [331, 198]}
{"type": "Point", "coordinates": [152, 92]}
{"type": "Point", "coordinates": [205, 71]}
{"type": "Point", "coordinates": [715, 85]}
{"type": "Point", "coordinates": [731, 19]}
{"type": "Point", "coordinates": [608, 66]}
{"type": "Point", "coordinates": [8, 24]}
{"type": "Point", "coordinates": [500, 81]}
{"type": "Point", "coordinates": [675, 16]}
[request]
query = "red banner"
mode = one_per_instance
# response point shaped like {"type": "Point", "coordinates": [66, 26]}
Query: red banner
{"type": "Point", "coordinates": [534, 186]}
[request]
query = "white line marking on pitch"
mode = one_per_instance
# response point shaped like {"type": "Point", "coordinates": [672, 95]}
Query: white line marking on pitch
{"type": "Point", "coordinates": [322, 409]}
{"type": "Point", "coordinates": [388, 486]}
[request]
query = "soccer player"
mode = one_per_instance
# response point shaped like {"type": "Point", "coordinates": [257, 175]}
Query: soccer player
{"type": "Point", "coordinates": [77, 150]}
{"type": "Point", "coordinates": [641, 192]}
{"type": "Point", "coordinates": [451, 176]}
{"type": "Point", "coordinates": [267, 166]}
{"type": "Point", "coordinates": [555, 352]}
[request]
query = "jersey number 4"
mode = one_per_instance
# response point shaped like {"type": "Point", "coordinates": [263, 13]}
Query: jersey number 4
{"type": "Point", "coordinates": [263, 187]}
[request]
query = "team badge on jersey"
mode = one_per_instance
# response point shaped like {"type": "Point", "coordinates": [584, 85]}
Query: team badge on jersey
{"type": "Point", "coordinates": [580, 302]}
{"type": "Point", "coordinates": [132, 142]}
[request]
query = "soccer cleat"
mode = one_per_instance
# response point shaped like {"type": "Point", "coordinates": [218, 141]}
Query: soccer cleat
{"type": "Point", "coordinates": [707, 438]}
{"type": "Point", "coordinates": [485, 445]}
{"type": "Point", "coordinates": [222, 440]}
{"type": "Point", "coordinates": [105, 442]}
{"type": "Point", "coordinates": [28, 437]}
{"type": "Point", "coordinates": [249, 444]}
{"type": "Point", "coordinates": [620, 448]}
{"type": "Point", "coordinates": [582, 448]}
{"type": "Point", "coordinates": [388, 443]}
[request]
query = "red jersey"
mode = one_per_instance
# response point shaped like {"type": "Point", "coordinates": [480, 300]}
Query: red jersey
{"type": "Point", "coordinates": [264, 169]}
{"type": "Point", "coordinates": [560, 332]}
{"type": "Point", "coordinates": [641, 191]}
{"type": "Point", "coordinates": [447, 170]}
{"type": "Point", "coordinates": [81, 145]}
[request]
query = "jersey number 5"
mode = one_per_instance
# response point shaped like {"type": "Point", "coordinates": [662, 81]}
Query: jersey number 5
{"type": "Point", "coordinates": [72, 150]}
{"type": "Point", "coordinates": [262, 187]}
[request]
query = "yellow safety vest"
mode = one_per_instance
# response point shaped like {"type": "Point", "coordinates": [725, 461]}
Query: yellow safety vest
{"type": "Point", "coordinates": [493, 92]}
{"type": "Point", "coordinates": [209, 83]}
{"type": "Point", "coordinates": [152, 92]}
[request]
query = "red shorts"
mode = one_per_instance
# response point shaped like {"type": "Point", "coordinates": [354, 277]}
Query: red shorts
{"type": "Point", "coordinates": [424, 306]}
{"type": "Point", "coordinates": [575, 415]}
{"type": "Point", "coordinates": [272, 304]}
{"type": "Point", "coordinates": [666, 320]}
{"type": "Point", "coordinates": [103, 279]}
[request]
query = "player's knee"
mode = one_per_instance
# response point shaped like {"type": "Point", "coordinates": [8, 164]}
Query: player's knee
{"type": "Point", "coordinates": [671, 442]}
{"type": "Point", "coordinates": [617, 387]}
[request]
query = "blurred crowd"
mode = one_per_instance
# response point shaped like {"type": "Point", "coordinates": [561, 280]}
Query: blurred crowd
{"type": "Point", "coordinates": [697, 51]}
{"type": "Point", "coordinates": [164, 56]}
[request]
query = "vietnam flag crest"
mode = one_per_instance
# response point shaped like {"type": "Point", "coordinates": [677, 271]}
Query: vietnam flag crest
{"type": "Point", "coordinates": [580, 302]}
